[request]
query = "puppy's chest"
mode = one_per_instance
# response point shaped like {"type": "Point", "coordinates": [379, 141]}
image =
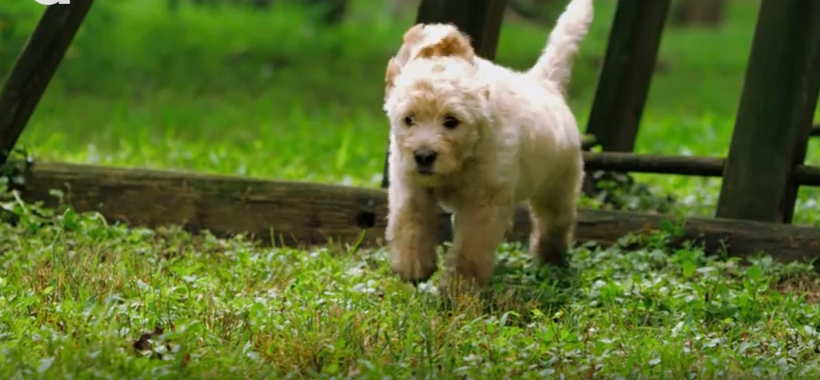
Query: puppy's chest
{"type": "Point", "coordinates": [448, 198]}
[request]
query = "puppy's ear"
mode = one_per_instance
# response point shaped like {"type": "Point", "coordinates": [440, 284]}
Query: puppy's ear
{"type": "Point", "coordinates": [413, 35]}
{"type": "Point", "coordinates": [411, 38]}
{"type": "Point", "coordinates": [455, 44]}
{"type": "Point", "coordinates": [393, 69]}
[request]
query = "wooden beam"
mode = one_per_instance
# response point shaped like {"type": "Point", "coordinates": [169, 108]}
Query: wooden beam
{"type": "Point", "coordinates": [739, 238]}
{"type": "Point", "coordinates": [652, 163]}
{"type": "Point", "coordinates": [629, 63]}
{"type": "Point", "coordinates": [679, 165]}
{"type": "Point", "coordinates": [36, 64]}
{"type": "Point", "coordinates": [807, 175]}
{"type": "Point", "coordinates": [588, 142]}
{"type": "Point", "coordinates": [774, 118]}
{"type": "Point", "coordinates": [310, 213]}
{"type": "Point", "coordinates": [479, 19]}
{"type": "Point", "coordinates": [300, 212]}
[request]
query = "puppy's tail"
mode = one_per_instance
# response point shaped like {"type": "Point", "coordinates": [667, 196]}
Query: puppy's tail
{"type": "Point", "coordinates": [555, 64]}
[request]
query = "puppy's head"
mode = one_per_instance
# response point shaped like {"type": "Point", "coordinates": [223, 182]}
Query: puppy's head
{"type": "Point", "coordinates": [438, 112]}
{"type": "Point", "coordinates": [428, 41]}
{"type": "Point", "coordinates": [434, 40]}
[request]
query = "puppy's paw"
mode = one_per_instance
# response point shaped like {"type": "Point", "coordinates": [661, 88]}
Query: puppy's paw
{"type": "Point", "coordinates": [454, 286]}
{"type": "Point", "coordinates": [414, 270]}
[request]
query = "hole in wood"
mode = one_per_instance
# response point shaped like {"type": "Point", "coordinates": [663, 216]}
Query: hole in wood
{"type": "Point", "coordinates": [365, 219]}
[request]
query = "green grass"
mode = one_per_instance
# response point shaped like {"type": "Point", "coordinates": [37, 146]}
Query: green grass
{"type": "Point", "coordinates": [271, 94]}
{"type": "Point", "coordinates": [76, 295]}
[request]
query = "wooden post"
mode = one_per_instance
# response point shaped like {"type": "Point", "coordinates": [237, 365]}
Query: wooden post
{"type": "Point", "coordinates": [774, 118]}
{"type": "Point", "coordinates": [34, 68]}
{"type": "Point", "coordinates": [479, 19]}
{"type": "Point", "coordinates": [624, 81]}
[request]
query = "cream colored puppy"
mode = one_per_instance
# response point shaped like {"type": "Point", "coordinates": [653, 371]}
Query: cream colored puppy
{"type": "Point", "coordinates": [478, 138]}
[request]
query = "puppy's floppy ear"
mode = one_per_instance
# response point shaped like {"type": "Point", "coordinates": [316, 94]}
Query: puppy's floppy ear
{"type": "Point", "coordinates": [393, 69]}
{"type": "Point", "coordinates": [413, 35]}
{"type": "Point", "coordinates": [411, 38]}
{"type": "Point", "coordinates": [454, 44]}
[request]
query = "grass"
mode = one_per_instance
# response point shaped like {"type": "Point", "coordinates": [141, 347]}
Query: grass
{"type": "Point", "coordinates": [79, 295]}
{"type": "Point", "coordinates": [271, 94]}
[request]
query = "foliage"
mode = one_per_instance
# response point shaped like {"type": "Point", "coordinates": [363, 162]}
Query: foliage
{"type": "Point", "coordinates": [81, 297]}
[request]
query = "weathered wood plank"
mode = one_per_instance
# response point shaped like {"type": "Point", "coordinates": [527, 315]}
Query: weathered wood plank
{"type": "Point", "coordinates": [588, 142]}
{"type": "Point", "coordinates": [300, 212]}
{"type": "Point", "coordinates": [629, 63]}
{"type": "Point", "coordinates": [479, 19]}
{"type": "Point", "coordinates": [815, 130]}
{"type": "Point", "coordinates": [740, 238]}
{"type": "Point", "coordinates": [34, 68]}
{"type": "Point", "coordinates": [807, 175]}
{"type": "Point", "coordinates": [774, 118]}
{"type": "Point", "coordinates": [654, 163]}
{"type": "Point", "coordinates": [679, 165]}
{"type": "Point", "coordinates": [311, 213]}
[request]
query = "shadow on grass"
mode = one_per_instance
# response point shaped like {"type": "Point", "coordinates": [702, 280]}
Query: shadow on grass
{"type": "Point", "coordinates": [526, 286]}
{"type": "Point", "coordinates": [522, 287]}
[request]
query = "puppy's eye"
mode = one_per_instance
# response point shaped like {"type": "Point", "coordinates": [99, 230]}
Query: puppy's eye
{"type": "Point", "coordinates": [408, 120]}
{"type": "Point", "coordinates": [450, 122]}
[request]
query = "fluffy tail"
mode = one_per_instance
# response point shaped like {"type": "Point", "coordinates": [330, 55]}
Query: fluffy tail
{"type": "Point", "coordinates": [555, 64]}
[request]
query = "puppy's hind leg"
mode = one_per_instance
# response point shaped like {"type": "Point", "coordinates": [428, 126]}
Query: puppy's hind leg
{"type": "Point", "coordinates": [553, 212]}
{"type": "Point", "coordinates": [411, 232]}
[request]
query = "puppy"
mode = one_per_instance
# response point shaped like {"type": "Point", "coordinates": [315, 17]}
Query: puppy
{"type": "Point", "coordinates": [477, 138]}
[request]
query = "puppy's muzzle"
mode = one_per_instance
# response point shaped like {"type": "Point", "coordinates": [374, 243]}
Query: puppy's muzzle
{"type": "Point", "coordinates": [425, 158]}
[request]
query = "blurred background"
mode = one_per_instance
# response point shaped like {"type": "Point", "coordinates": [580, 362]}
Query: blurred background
{"type": "Point", "coordinates": [293, 89]}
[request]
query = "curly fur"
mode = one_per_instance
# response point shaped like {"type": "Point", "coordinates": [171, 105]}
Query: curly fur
{"type": "Point", "coordinates": [497, 137]}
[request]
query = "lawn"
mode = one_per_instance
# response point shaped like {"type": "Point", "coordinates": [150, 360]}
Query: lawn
{"type": "Point", "coordinates": [273, 95]}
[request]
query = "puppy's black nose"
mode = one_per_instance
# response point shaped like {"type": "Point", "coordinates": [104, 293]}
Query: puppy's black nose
{"type": "Point", "coordinates": [424, 157]}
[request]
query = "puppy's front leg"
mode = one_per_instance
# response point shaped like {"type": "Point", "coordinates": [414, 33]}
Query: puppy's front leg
{"type": "Point", "coordinates": [411, 232]}
{"type": "Point", "coordinates": [479, 229]}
